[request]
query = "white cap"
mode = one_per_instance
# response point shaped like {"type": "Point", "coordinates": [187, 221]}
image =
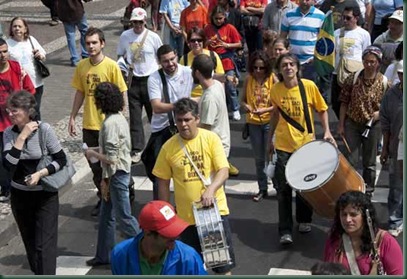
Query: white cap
{"type": "Point", "coordinates": [399, 66]}
{"type": "Point", "coordinates": [398, 14]}
{"type": "Point", "coordinates": [138, 14]}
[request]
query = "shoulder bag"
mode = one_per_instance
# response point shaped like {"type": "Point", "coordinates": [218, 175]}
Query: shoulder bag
{"type": "Point", "coordinates": [40, 66]}
{"type": "Point", "coordinates": [55, 181]}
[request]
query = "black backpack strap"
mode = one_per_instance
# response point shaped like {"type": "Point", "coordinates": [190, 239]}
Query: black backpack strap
{"type": "Point", "coordinates": [213, 57]}
{"type": "Point", "coordinates": [167, 98]}
{"type": "Point", "coordinates": [305, 106]}
{"type": "Point", "coordinates": [185, 59]}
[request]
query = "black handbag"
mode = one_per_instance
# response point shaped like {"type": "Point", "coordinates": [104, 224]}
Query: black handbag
{"type": "Point", "coordinates": [251, 21]}
{"type": "Point", "coordinates": [57, 180]}
{"type": "Point", "coordinates": [245, 131]}
{"type": "Point", "coordinates": [40, 66]}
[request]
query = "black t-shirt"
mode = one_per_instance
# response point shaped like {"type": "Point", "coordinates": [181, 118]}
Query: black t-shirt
{"type": "Point", "coordinates": [338, 10]}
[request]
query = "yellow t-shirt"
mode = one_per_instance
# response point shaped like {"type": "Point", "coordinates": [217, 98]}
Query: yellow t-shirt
{"type": "Point", "coordinates": [197, 91]}
{"type": "Point", "coordinates": [86, 78]}
{"type": "Point", "coordinates": [207, 152]}
{"type": "Point", "coordinates": [288, 138]}
{"type": "Point", "coordinates": [258, 97]}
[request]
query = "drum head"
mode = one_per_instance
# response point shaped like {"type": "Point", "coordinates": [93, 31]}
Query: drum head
{"type": "Point", "coordinates": [312, 165]}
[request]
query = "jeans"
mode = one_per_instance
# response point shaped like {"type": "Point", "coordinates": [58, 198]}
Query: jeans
{"type": "Point", "coordinates": [118, 206]}
{"type": "Point", "coordinates": [353, 135]}
{"type": "Point", "coordinates": [38, 96]}
{"type": "Point", "coordinates": [258, 139]}
{"type": "Point", "coordinates": [4, 173]}
{"type": "Point", "coordinates": [70, 29]}
{"type": "Point", "coordinates": [177, 43]}
{"type": "Point", "coordinates": [36, 215]}
{"type": "Point", "coordinates": [138, 97]}
{"type": "Point", "coordinates": [303, 211]}
{"type": "Point", "coordinates": [395, 197]}
{"type": "Point", "coordinates": [231, 92]}
{"type": "Point", "coordinates": [91, 138]}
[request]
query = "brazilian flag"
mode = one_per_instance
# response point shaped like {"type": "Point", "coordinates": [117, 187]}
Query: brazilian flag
{"type": "Point", "coordinates": [324, 53]}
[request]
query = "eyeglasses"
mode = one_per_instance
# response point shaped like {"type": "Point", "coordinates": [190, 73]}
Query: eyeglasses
{"type": "Point", "coordinates": [258, 68]}
{"type": "Point", "coordinates": [347, 17]}
{"type": "Point", "coordinates": [195, 40]}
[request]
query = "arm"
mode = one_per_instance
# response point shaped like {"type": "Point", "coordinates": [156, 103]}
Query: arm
{"type": "Point", "coordinates": [243, 97]}
{"type": "Point", "coordinates": [283, 34]}
{"type": "Point", "coordinates": [163, 189]}
{"type": "Point", "coordinates": [370, 20]}
{"type": "Point", "coordinates": [274, 117]}
{"type": "Point", "coordinates": [101, 157]}
{"type": "Point", "coordinates": [218, 181]}
{"type": "Point", "coordinates": [77, 103]}
{"type": "Point", "coordinates": [255, 11]}
{"type": "Point", "coordinates": [367, 15]}
{"type": "Point", "coordinates": [160, 107]}
{"type": "Point", "coordinates": [323, 116]}
{"type": "Point", "coordinates": [342, 116]}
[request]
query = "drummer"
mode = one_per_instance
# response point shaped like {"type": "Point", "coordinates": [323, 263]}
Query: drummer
{"type": "Point", "coordinates": [289, 112]}
{"type": "Point", "coordinates": [155, 251]}
{"type": "Point", "coordinates": [180, 157]}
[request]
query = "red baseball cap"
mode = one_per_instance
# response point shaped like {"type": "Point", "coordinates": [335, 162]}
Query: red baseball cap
{"type": "Point", "coordinates": [160, 216]}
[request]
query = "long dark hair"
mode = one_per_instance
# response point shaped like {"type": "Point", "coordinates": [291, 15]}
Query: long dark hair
{"type": "Point", "coordinates": [359, 201]}
{"type": "Point", "coordinates": [260, 55]}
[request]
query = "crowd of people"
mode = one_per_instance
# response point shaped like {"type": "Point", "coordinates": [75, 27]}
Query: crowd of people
{"type": "Point", "coordinates": [187, 80]}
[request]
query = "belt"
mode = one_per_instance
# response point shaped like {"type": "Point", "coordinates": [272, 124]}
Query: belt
{"type": "Point", "coordinates": [139, 78]}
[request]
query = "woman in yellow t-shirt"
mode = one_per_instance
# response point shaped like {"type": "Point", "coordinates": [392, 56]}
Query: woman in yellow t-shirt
{"type": "Point", "coordinates": [256, 102]}
{"type": "Point", "coordinates": [196, 38]}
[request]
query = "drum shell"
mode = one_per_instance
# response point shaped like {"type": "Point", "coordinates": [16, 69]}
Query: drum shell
{"type": "Point", "coordinates": [323, 199]}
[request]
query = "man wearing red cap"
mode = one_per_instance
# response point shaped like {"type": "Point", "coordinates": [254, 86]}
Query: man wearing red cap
{"type": "Point", "coordinates": [156, 251]}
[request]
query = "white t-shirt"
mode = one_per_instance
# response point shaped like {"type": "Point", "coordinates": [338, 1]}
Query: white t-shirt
{"type": "Point", "coordinates": [22, 52]}
{"type": "Point", "coordinates": [214, 112]}
{"type": "Point", "coordinates": [179, 86]}
{"type": "Point", "coordinates": [391, 73]}
{"type": "Point", "coordinates": [354, 43]}
{"type": "Point", "coordinates": [146, 63]}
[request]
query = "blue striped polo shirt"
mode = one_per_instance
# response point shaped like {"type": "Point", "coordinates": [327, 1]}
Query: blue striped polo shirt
{"type": "Point", "coordinates": [302, 31]}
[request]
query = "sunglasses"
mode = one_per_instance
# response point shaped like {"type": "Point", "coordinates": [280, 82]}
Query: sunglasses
{"type": "Point", "coordinates": [195, 40]}
{"type": "Point", "coordinates": [258, 68]}
{"type": "Point", "coordinates": [347, 17]}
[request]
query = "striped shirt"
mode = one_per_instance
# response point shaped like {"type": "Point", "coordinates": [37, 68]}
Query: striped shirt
{"type": "Point", "coordinates": [302, 31]}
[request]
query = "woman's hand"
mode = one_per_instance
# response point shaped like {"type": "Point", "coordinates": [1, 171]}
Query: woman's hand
{"type": "Point", "coordinates": [90, 153]}
{"type": "Point", "coordinates": [28, 129]}
{"type": "Point", "coordinates": [33, 179]}
{"type": "Point", "coordinates": [248, 108]}
{"type": "Point", "coordinates": [38, 55]}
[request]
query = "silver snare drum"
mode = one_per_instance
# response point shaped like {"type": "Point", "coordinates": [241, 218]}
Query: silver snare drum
{"type": "Point", "coordinates": [215, 250]}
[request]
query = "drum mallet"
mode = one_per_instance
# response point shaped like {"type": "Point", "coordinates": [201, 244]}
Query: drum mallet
{"type": "Point", "coordinates": [346, 144]}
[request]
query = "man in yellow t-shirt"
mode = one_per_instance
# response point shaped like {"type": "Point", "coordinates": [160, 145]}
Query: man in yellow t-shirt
{"type": "Point", "coordinates": [286, 98]}
{"type": "Point", "coordinates": [205, 151]}
{"type": "Point", "coordinates": [88, 74]}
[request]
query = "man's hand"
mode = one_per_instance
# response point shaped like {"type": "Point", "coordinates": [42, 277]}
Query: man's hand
{"type": "Point", "coordinates": [384, 156]}
{"type": "Point", "coordinates": [208, 197]}
{"type": "Point", "coordinates": [328, 137]}
{"type": "Point", "coordinates": [71, 127]}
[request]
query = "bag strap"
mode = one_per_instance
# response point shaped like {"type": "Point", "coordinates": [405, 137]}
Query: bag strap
{"type": "Point", "coordinates": [203, 179]}
{"type": "Point", "coordinates": [185, 59]}
{"type": "Point", "coordinates": [294, 123]}
{"type": "Point", "coordinates": [350, 255]}
{"type": "Point", "coordinates": [341, 41]}
{"type": "Point", "coordinates": [166, 97]}
{"type": "Point", "coordinates": [42, 138]}
{"type": "Point", "coordinates": [31, 42]}
{"type": "Point", "coordinates": [375, 262]}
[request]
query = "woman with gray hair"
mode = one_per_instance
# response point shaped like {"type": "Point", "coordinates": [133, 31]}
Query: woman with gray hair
{"type": "Point", "coordinates": [34, 208]}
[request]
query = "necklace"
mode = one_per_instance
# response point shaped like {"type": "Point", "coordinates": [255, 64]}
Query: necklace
{"type": "Point", "coordinates": [368, 82]}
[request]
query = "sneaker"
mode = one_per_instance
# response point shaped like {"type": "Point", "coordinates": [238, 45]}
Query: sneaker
{"type": "Point", "coordinates": [395, 232]}
{"type": "Point", "coordinates": [304, 227]}
{"type": "Point", "coordinates": [233, 171]}
{"type": "Point", "coordinates": [259, 196]}
{"type": "Point", "coordinates": [94, 262]}
{"type": "Point", "coordinates": [286, 239]}
{"type": "Point", "coordinates": [4, 197]}
{"type": "Point", "coordinates": [53, 22]}
{"type": "Point", "coordinates": [236, 115]}
{"type": "Point", "coordinates": [136, 157]}
{"type": "Point", "coordinates": [96, 209]}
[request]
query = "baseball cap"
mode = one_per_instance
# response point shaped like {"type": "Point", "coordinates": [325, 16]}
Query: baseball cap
{"type": "Point", "coordinates": [160, 216]}
{"type": "Point", "coordinates": [398, 14]}
{"type": "Point", "coordinates": [138, 14]}
{"type": "Point", "coordinates": [399, 66]}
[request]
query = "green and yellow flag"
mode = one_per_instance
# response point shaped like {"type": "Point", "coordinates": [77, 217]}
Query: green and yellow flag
{"type": "Point", "coordinates": [324, 53]}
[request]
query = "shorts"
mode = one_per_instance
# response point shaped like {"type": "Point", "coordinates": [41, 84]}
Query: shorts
{"type": "Point", "coordinates": [190, 236]}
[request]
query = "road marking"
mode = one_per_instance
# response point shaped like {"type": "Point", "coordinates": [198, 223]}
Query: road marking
{"type": "Point", "coordinates": [72, 265]}
{"type": "Point", "coordinates": [283, 271]}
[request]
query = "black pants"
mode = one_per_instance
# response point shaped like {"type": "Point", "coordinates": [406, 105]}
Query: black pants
{"type": "Point", "coordinates": [91, 138]}
{"type": "Point", "coordinates": [38, 96]}
{"type": "Point", "coordinates": [335, 93]}
{"type": "Point", "coordinates": [52, 6]}
{"type": "Point", "coordinates": [138, 97]}
{"type": "Point", "coordinates": [36, 214]}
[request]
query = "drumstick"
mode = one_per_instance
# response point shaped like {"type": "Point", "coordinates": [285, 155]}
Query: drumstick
{"type": "Point", "coordinates": [346, 144]}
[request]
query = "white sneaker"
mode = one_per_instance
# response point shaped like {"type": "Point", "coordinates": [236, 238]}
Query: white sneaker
{"type": "Point", "coordinates": [395, 232]}
{"type": "Point", "coordinates": [236, 115]}
{"type": "Point", "coordinates": [4, 197]}
{"type": "Point", "coordinates": [304, 227]}
{"type": "Point", "coordinates": [136, 157]}
{"type": "Point", "coordinates": [286, 239]}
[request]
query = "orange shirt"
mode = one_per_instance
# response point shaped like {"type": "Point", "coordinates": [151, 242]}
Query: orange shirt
{"type": "Point", "coordinates": [194, 18]}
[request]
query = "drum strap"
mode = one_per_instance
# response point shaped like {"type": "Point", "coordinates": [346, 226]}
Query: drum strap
{"type": "Point", "coordinates": [204, 180]}
{"type": "Point", "coordinates": [350, 255]}
{"type": "Point", "coordinates": [294, 123]}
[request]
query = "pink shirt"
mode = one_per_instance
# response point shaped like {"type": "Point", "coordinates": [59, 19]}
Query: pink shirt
{"type": "Point", "coordinates": [390, 255]}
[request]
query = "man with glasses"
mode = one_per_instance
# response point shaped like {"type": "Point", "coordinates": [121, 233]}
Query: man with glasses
{"type": "Point", "coordinates": [337, 11]}
{"type": "Point", "coordinates": [12, 78]}
{"type": "Point", "coordinates": [138, 47]}
{"type": "Point", "coordinates": [178, 82]}
{"type": "Point", "coordinates": [350, 42]}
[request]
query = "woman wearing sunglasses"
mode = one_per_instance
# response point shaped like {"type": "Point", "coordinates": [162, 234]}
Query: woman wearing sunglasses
{"type": "Point", "coordinates": [256, 102]}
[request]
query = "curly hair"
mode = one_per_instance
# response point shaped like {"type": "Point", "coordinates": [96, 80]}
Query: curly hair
{"type": "Point", "coordinates": [185, 105]}
{"type": "Point", "coordinates": [108, 98]}
{"type": "Point", "coordinates": [10, 31]}
{"type": "Point", "coordinates": [359, 201]}
{"type": "Point", "coordinates": [23, 100]}
{"type": "Point", "coordinates": [260, 55]}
